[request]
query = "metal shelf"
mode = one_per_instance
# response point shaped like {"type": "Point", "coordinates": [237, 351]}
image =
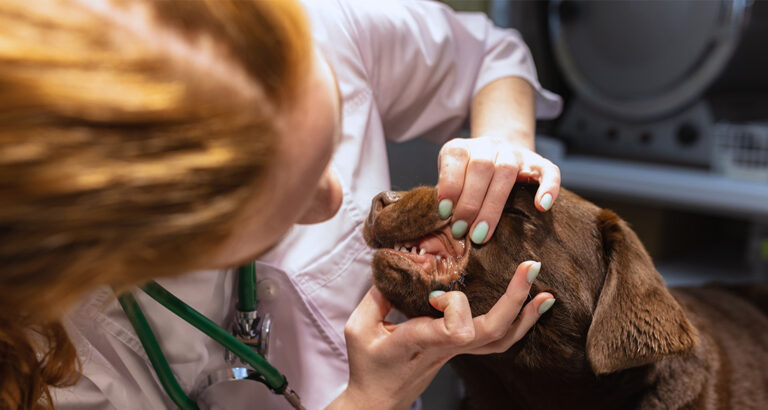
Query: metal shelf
{"type": "Point", "coordinates": [663, 184]}
{"type": "Point", "coordinates": [671, 187]}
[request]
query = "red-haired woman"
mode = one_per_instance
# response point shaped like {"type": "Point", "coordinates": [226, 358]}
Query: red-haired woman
{"type": "Point", "coordinates": [176, 140]}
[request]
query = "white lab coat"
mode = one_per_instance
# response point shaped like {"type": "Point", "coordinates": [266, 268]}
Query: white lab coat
{"type": "Point", "coordinates": [405, 70]}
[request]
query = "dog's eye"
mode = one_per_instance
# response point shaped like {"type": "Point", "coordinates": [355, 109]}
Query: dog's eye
{"type": "Point", "coordinates": [517, 212]}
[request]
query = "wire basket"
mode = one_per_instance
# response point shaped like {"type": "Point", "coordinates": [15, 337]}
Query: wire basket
{"type": "Point", "coordinates": [741, 151]}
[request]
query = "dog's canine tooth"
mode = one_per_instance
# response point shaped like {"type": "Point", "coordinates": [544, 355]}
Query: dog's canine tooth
{"type": "Point", "coordinates": [422, 251]}
{"type": "Point", "coordinates": [438, 258]}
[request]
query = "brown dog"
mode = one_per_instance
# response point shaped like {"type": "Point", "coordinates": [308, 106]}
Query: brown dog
{"type": "Point", "coordinates": [617, 338]}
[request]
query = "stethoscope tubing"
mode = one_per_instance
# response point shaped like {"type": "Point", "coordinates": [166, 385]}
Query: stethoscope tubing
{"type": "Point", "coordinates": [272, 378]}
{"type": "Point", "coordinates": [264, 372]}
{"type": "Point", "coordinates": [154, 353]}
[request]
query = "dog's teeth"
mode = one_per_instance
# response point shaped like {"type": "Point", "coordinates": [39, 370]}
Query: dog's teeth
{"type": "Point", "coordinates": [413, 250]}
{"type": "Point", "coordinates": [422, 251]}
{"type": "Point", "coordinates": [438, 257]}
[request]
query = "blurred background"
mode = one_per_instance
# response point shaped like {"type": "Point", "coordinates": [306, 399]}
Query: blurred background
{"type": "Point", "coordinates": [665, 122]}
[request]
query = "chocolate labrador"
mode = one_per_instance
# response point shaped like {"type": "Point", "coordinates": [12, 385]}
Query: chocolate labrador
{"type": "Point", "coordinates": [617, 338]}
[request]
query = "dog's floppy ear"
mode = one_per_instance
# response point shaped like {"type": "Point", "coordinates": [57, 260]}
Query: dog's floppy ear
{"type": "Point", "coordinates": [636, 320]}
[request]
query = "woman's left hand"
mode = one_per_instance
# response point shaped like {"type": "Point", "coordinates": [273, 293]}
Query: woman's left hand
{"type": "Point", "coordinates": [476, 176]}
{"type": "Point", "coordinates": [390, 365]}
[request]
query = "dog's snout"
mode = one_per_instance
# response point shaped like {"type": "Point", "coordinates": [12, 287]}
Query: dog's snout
{"type": "Point", "coordinates": [381, 201]}
{"type": "Point", "coordinates": [388, 197]}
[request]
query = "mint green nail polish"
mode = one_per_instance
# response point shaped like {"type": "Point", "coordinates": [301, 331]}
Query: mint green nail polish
{"type": "Point", "coordinates": [435, 293]}
{"type": "Point", "coordinates": [546, 305]}
{"type": "Point", "coordinates": [533, 272]}
{"type": "Point", "coordinates": [459, 229]}
{"type": "Point", "coordinates": [444, 208]}
{"type": "Point", "coordinates": [546, 201]}
{"type": "Point", "coordinates": [480, 232]}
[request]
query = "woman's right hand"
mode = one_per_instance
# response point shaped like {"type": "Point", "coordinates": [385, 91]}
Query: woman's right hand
{"type": "Point", "coordinates": [390, 365]}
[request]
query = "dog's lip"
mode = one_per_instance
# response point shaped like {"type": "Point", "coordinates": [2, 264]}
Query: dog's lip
{"type": "Point", "coordinates": [454, 255]}
{"type": "Point", "coordinates": [379, 244]}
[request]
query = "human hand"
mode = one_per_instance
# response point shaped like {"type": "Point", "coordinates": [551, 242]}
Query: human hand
{"type": "Point", "coordinates": [476, 176]}
{"type": "Point", "coordinates": [392, 364]}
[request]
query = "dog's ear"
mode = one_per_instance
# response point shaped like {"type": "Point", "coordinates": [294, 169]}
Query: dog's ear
{"type": "Point", "coordinates": [636, 320]}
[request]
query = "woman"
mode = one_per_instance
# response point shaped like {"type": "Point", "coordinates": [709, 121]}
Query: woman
{"type": "Point", "coordinates": [194, 135]}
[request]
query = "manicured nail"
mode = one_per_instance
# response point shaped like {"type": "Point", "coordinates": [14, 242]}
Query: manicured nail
{"type": "Point", "coordinates": [546, 305]}
{"type": "Point", "coordinates": [444, 208]}
{"type": "Point", "coordinates": [480, 232]}
{"type": "Point", "coordinates": [533, 272]}
{"type": "Point", "coordinates": [459, 229]}
{"type": "Point", "coordinates": [546, 201]}
{"type": "Point", "coordinates": [436, 293]}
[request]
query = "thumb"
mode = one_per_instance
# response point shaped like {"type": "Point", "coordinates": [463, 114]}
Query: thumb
{"type": "Point", "coordinates": [370, 311]}
{"type": "Point", "coordinates": [457, 316]}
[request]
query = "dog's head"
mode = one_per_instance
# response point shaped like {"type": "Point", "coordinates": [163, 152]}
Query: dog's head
{"type": "Point", "coordinates": [613, 310]}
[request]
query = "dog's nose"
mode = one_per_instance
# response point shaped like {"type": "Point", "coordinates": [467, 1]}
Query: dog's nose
{"type": "Point", "coordinates": [381, 201]}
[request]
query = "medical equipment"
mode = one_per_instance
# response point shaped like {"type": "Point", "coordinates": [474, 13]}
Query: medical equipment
{"type": "Point", "coordinates": [248, 343]}
{"type": "Point", "coordinates": [638, 71]}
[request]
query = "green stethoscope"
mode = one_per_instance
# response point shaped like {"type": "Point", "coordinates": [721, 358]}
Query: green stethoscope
{"type": "Point", "coordinates": [250, 338]}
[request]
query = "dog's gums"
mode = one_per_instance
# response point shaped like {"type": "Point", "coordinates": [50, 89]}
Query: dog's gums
{"type": "Point", "coordinates": [436, 256]}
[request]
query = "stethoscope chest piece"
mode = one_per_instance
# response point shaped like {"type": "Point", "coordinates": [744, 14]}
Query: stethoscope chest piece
{"type": "Point", "coordinates": [245, 347]}
{"type": "Point", "coordinates": [252, 329]}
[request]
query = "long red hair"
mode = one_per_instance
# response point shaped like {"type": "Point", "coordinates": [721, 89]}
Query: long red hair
{"type": "Point", "coordinates": [131, 137]}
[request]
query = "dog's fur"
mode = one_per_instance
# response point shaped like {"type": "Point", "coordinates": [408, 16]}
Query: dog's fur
{"type": "Point", "coordinates": [617, 338]}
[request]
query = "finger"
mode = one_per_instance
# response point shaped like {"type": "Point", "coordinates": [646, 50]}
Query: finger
{"type": "Point", "coordinates": [480, 169]}
{"type": "Point", "coordinates": [452, 167]}
{"type": "Point", "coordinates": [525, 321]}
{"type": "Point", "coordinates": [454, 328]}
{"type": "Point", "coordinates": [504, 176]}
{"type": "Point", "coordinates": [548, 175]}
{"type": "Point", "coordinates": [369, 313]}
{"type": "Point", "coordinates": [457, 317]}
{"type": "Point", "coordinates": [439, 337]}
{"type": "Point", "coordinates": [495, 324]}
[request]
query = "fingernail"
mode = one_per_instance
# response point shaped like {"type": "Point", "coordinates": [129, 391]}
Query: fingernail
{"type": "Point", "coordinates": [436, 293]}
{"type": "Point", "coordinates": [546, 305]}
{"type": "Point", "coordinates": [546, 201]}
{"type": "Point", "coordinates": [444, 208]}
{"type": "Point", "coordinates": [459, 229]}
{"type": "Point", "coordinates": [479, 233]}
{"type": "Point", "coordinates": [533, 272]}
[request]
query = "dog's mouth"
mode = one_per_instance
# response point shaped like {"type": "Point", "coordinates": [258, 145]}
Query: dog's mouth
{"type": "Point", "coordinates": [436, 256]}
